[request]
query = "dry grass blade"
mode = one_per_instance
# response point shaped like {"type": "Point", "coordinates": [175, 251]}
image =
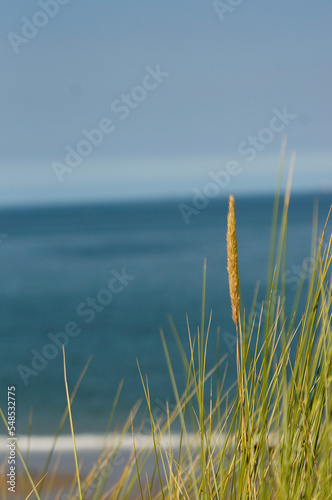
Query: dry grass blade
{"type": "Point", "coordinates": [32, 491]}
{"type": "Point", "coordinates": [71, 425]}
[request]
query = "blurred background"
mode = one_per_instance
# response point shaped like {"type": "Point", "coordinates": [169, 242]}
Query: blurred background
{"type": "Point", "coordinates": [124, 127]}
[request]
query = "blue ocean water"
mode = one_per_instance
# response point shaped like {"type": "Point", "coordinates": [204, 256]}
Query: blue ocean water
{"type": "Point", "coordinates": [57, 262]}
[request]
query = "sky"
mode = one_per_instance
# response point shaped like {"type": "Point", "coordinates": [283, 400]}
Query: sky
{"type": "Point", "coordinates": [117, 100]}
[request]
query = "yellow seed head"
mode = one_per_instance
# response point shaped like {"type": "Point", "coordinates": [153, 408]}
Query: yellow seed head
{"type": "Point", "coordinates": [232, 262]}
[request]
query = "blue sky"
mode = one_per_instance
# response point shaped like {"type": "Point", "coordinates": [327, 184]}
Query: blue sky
{"type": "Point", "coordinates": [225, 76]}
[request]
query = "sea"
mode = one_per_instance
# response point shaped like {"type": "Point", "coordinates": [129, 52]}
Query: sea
{"type": "Point", "coordinates": [106, 279]}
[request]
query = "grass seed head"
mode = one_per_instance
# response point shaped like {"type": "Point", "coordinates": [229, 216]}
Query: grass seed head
{"type": "Point", "coordinates": [232, 261]}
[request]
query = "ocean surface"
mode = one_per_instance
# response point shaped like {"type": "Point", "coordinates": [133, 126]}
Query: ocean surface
{"type": "Point", "coordinates": [110, 276]}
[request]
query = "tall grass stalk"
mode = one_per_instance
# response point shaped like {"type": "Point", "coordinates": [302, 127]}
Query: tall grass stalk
{"type": "Point", "coordinates": [71, 425]}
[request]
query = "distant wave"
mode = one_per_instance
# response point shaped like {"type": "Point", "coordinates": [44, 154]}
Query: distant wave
{"type": "Point", "coordinates": [91, 442]}
{"type": "Point", "coordinates": [95, 443]}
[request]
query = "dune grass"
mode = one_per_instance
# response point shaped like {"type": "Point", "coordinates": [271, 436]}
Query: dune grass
{"type": "Point", "coordinates": [273, 440]}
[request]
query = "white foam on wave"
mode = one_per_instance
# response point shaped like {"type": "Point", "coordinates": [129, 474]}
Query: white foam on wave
{"type": "Point", "coordinates": [89, 442]}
